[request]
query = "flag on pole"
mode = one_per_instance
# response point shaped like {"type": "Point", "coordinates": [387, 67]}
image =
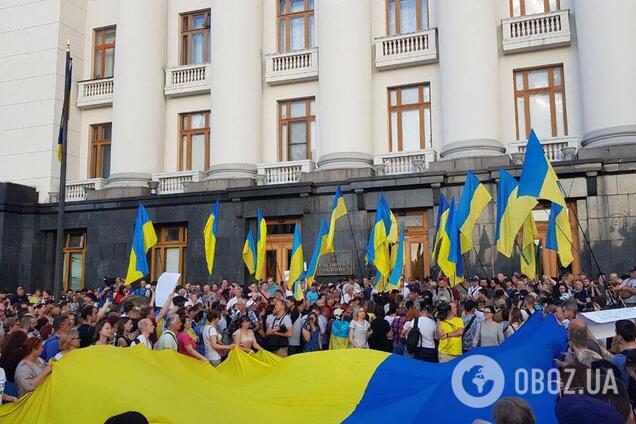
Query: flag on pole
{"type": "Point", "coordinates": [209, 236]}
{"type": "Point", "coordinates": [68, 73]}
{"type": "Point", "coordinates": [261, 246]}
{"type": "Point", "coordinates": [249, 253]}
{"type": "Point", "coordinates": [299, 294]}
{"type": "Point", "coordinates": [144, 237]}
{"type": "Point", "coordinates": [439, 224]}
{"type": "Point", "coordinates": [528, 250]}
{"type": "Point", "coordinates": [319, 249]}
{"type": "Point", "coordinates": [455, 253]}
{"type": "Point", "coordinates": [378, 245]}
{"type": "Point", "coordinates": [472, 202]}
{"type": "Point", "coordinates": [390, 223]}
{"type": "Point", "coordinates": [338, 210]}
{"type": "Point", "coordinates": [559, 235]}
{"type": "Point", "coordinates": [397, 260]}
{"type": "Point", "coordinates": [510, 210]}
{"type": "Point", "coordinates": [296, 267]}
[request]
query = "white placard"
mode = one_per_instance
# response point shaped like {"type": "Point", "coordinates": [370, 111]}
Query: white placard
{"type": "Point", "coordinates": [165, 285]}
{"type": "Point", "coordinates": [601, 323]}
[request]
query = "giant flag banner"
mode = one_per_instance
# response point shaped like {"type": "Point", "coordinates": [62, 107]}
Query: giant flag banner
{"type": "Point", "coordinates": [559, 235]}
{"type": "Point", "coordinates": [472, 202]}
{"type": "Point", "coordinates": [338, 210]}
{"type": "Point", "coordinates": [209, 236]}
{"type": "Point", "coordinates": [144, 237]}
{"type": "Point", "coordinates": [261, 246]}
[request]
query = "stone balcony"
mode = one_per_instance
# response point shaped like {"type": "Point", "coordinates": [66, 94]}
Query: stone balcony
{"type": "Point", "coordinates": [296, 66]}
{"type": "Point", "coordinates": [397, 163]}
{"type": "Point", "coordinates": [95, 93]}
{"type": "Point", "coordinates": [397, 51]}
{"type": "Point", "coordinates": [187, 80]}
{"type": "Point", "coordinates": [283, 172]}
{"type": "Point", "coordinates": [556, 149]}
{"type": "Point", "coordinates": [76, 190]}
{"type": "Point", "coordinates": [173, 182]}
{"type": "Point", "coordinates": [535, 32]}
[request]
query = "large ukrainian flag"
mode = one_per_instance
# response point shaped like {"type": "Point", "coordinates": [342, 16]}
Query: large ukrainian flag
{"type": "Point", "coordinates": [338, 210]}
{"type": "Point", "coordinates": [511, 212]}
{"type": "Point", "coordinates": [144, 237]}
{"type": "Point", "coordinates": [472, 202]}
{"type": "Point", "coordinates": [559, 235]}
{"type": "Point", "coordinates": [209, 236]}
{"type": "Point", "coordinates": [296, 268]}
{"type": "Point", "coordinates": [261, 246]}
{"type": "Point", "coordinates": [319, 249]}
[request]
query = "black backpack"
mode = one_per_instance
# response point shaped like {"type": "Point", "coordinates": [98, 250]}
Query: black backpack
{"type": "Point", "coordinates": [413, 338]}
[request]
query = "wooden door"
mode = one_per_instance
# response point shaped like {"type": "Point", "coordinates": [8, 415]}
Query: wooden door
{"type": "Point", "coordinates": [549, 259]}
{"type": "Point", "coordinates": [279, 249]}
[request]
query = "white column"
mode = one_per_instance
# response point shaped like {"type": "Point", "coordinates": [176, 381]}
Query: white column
{"type": "Point", "coordinates": [606, 33]}
{"type": "Point", "coordinates": [138, 98]}
{"type": "Point", "coordinates": [468, 49]}
{"type": "Point", "coordinates": [345, 95]}
{"type": "Point", "coordinates": [236, 71]}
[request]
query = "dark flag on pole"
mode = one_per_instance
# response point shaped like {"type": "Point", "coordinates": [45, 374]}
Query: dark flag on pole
{"type": "Point", "coordinates": [65, 107]}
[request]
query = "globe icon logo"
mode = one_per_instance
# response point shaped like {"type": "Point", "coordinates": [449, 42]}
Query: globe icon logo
{"type": "Point", "coordinates": [477, 381]}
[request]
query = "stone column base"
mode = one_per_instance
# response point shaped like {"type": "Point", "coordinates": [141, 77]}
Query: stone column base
{"type": "Point", "coordinates": [229, 171]}
{"type": "Point", "coordinates": [472, 149]}
{"type": "Point", "coordinates": [610, 136]}
{"type": "Point", "coordinates": [345, 160]}
{"type": "Point", "coordinates": [128, 179]}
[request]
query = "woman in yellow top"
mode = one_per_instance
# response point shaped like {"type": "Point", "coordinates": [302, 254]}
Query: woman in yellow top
{"type": "Point", "coordinates": [449, 331]}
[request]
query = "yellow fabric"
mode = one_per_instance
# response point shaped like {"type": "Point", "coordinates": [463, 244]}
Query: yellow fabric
{"type": "Point", "coordinates": [90, 385]}
{"type": "Point", "coordinates": [451, 345]}
{"type": "Point", "coordinates": [551, 190]}
{"type": "Point", "coordinates": [564, 238]}
{"type": "Point", "coordinates": [339, 211]}
{"type": "Point", "coordinates": [380, 243]}
{"type": "Point", "coordinates": [480, 199]}
{"type": "Point", "coordinates": [336, 343]}
{"type": "Point", "coordinates": [261, 250]}
{"type": "Point", "coordinates": [447, 267]}
{"type": "Point", "coordinates": [248, 257]}
{"type": "Point", "coordinates": [210, 243]}
{"type": "Point", "coordinates": [528, 257]}
{"type": "Point", "coordinates": [515, 213]}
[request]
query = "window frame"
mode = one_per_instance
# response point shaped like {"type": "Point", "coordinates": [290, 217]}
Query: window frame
{"type": "Point", "coordinates": [96, 156]}
{"type": "Point", "coordinates": [189, 133]}
{"type": "Point", "coordinates": [551, 90]}
{"type": "Point", "coordinates": [421, 105]}
{"type": "Point", "coordinates": [285, 145]}
{"type": "Point", "coordinates": [287, 15]}
{"type": "Point", "coordinates": [522, 7]}
{"type": "Point", "coordinates": [68, 251]}
{"type": "Point", "coordinates": [186, 33]}
{"type": "Point", "coordinates": [100, 49]}
{"type": "Point", "coordinates": [158, 251]}
{"type": "Point", "coordinates": [418, 14]}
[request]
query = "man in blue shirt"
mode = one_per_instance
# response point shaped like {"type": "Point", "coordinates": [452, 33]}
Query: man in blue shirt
{"type": "Point", "coordinates": [51, 346]}
{"type": "Point", "coordinates": [312, 295]}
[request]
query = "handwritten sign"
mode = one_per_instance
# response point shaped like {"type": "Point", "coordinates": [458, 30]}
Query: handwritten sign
{"type": "Point", "coordinates": [336, 264]}
{"type": "Point", "coordinates": [601, 323]}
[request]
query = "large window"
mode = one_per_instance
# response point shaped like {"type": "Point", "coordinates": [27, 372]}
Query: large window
{"type": "Point", "coordinates": [296, 129]}
{"type": "Point", "coordinates": [100, 150]}
{"type": "Point", "coordinates": [531, 7]}
{"type": "Point", "coordinates": [295, 25]}
{"type": "Point", "coordinates": [194, 141]}
{"type": "Point", "coordinates": [404, 16]}
{"type": "Point", "coordinates": [169, 254]}
{"type": "Point", "coordinates": [74, 260]}
{"type": "Point", "coordinates": [104, 59]}
{"type": "Point", "coordinates": [195, 36]}
{"type": "Point", "coordinates": [540, 102]}
{"type": "Point", "coordinates": [409, 118]}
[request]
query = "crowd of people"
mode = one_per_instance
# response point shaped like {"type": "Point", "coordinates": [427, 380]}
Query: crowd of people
{"type": "Point", "coordinates": [424, 319]}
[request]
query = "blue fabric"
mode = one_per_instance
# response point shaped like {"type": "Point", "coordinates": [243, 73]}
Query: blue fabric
{"type": "Point", "coordinates": [507, 184]}
{"type": "Point", "coordinates": [535, 168]}
{"type": "Point", "coordinates": [312, 296]}
{"type": "Point", "coordinates": [312, 345]}
{"type": "Point", "coordinates": [408, 391]}
{"type": "Point", "coordinates": [51, 348]}
{"type": "Point", "coordinates": [340, 328]}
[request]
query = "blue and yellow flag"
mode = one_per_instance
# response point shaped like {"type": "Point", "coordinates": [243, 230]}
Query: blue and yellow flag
{"type": "Point", "coordinates": [559, 235]}
{"type": "Point", "coordinates": [472, 202]}
{"type": "Point", "coordinates": [441, 208]}
{"type": "Point", "coordinates": [511, 212]}
{"type": "Point", "coordinates": [338, 210]}
{"type": "Point", "coordinates": [390, 223]}
{"type": "Point", "coordinates": [261, 246]}
{"type": "Point", "coordinates": [209, 236]}
{"type": "Point", "coordinates": [444, 242]}
{"type": "Point", "coordinates": [449, 257]}
{"type": "Point", "coordinates": [397, 260]}
{"type": "Point", "coordinates": [297, 265]}
{"type": "Point", "coordinates": [538, 179]}
{"type": "Point", "coordinates": [299, 294]}
{"type": "Point", "coordinates": [528, 250]}
{"type": "Point", "coordinates": [249, 253]}
{"type": "Point", "coordinates": [144, 237]}
{"type": "Point", "coordinates": [378, 245]}
{"type": "Point", "coordinates": [319, 249]}
{"type": "Point", "coordinates": [68, 76]}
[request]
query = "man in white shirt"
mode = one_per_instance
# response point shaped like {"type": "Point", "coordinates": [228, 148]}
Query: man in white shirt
{"type": "Point", "coordinates": [426, 324]}
{"type": "Point", "coordinates": [146, 328]}
{"type": "Point", "coordinates": [238, 293]}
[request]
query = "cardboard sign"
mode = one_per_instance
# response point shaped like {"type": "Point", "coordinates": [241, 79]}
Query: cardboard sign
{"type": "Point", "coordinates": [601, 323]}
{"type": "Point", "coordinates": [165, 285]}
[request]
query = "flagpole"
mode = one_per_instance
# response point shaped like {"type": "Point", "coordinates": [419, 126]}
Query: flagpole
{"type": "Point", "coordinates": [355, 245]}
{"type": "Point", "coordinates": [480, 263]}
{"type": "Point", "coordinates": [59, 245]}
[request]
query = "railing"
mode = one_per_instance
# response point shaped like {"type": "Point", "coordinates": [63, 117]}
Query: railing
{"type": "Point", "coordinates": [291, 67]}
{"type": "Point", "coordinates": [556, 149]}
{"type": "Point", "coordinates": [95, 93]}
{"type": "Point", "coordinates": [282, 172]}
{"type": "Point", "coordinates": [76, 190]}
{"type": "Point", "coordinates": [396, 163]}
{"type": "Point", "coordinates": [401, 50]}
{"type": "Point", "coordinates": [172, 182]}
{"type": "Point", "coordinates": [187, 79]}
{"type": "Point", "coordinates": [544, 30]}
